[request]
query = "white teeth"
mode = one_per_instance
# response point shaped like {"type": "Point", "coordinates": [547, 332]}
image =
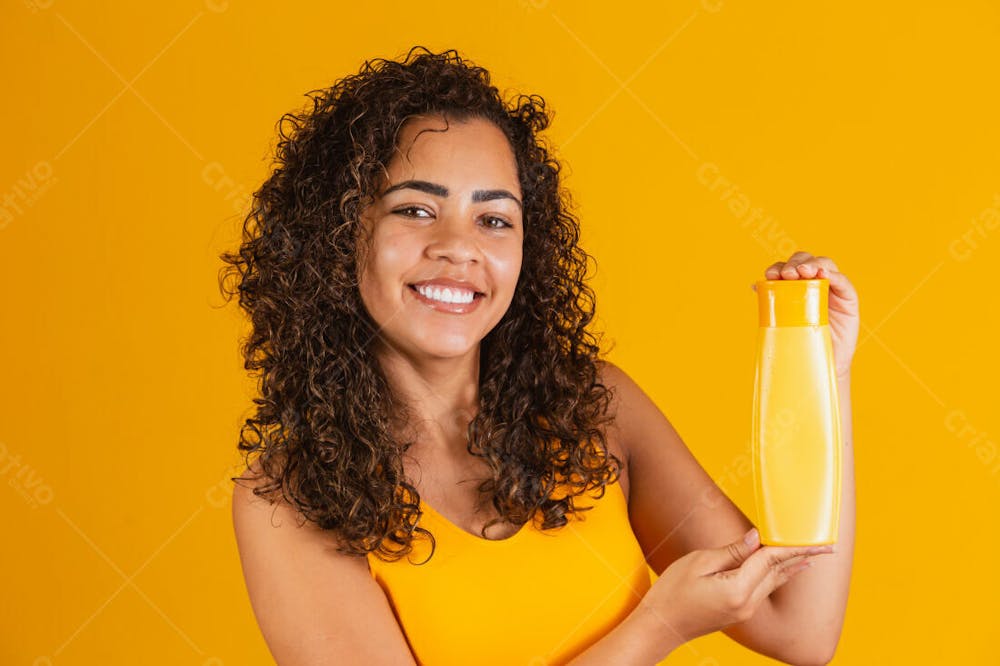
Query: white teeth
{"type": "Point", "coordinates": [447, 295]}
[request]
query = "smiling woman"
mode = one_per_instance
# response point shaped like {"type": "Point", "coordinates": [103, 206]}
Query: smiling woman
{"type": "Point", "coordinates": [459, 477]}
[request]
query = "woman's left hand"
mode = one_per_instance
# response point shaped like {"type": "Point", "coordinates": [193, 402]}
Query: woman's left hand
{"type": "Point", "coordinates": [843, 302]}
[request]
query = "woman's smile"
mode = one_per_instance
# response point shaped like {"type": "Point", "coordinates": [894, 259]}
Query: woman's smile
{"type": "Point", "coordinates": [447, 300]}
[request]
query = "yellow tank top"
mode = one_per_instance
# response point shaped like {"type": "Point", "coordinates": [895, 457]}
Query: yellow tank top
{"type": "Point", "coordinates": [536, 598]}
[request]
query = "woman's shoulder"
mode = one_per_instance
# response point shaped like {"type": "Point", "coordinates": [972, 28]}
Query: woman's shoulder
{"type": "Point", "coordinates": [260, 508]}
{"type": "Point", "coordinates": [614, 378]}
{"type": "Point", "coordinates": [626, 395]}
{"type": "Point", "coordinates": [620, 386]}
{"type": "Point", "coordinates": [253, 480]}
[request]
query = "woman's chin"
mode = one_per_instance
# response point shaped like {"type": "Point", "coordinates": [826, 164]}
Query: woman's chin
{"type": "Point", "coordinates": [449, 351]}
{"type": "Point", "coordinates": [444, 346]}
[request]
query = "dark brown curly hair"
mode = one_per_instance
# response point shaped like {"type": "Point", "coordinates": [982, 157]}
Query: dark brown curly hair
{"type": "Point", "coordinates": [322, 427]}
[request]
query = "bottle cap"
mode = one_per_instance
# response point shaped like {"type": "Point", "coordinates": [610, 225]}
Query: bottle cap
{"type": "Point", "coordinates": [793, 302]}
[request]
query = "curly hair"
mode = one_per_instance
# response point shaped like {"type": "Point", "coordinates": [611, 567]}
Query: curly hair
{"type": "Point", "coordinates": [322, 424]}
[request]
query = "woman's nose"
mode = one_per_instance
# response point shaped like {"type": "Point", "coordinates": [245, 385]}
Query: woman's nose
{"type": "Point", "coordinates": [454, 238]}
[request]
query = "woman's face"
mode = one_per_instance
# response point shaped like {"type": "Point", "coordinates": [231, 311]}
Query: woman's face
{"type": "Point", "coordinates": [450, 209]}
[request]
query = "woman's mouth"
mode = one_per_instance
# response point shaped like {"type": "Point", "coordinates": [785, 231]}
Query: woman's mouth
{"type": "Point", "coordinates": [449, 300]}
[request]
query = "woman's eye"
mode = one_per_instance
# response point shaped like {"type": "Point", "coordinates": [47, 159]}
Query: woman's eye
{"type": "Point", "coordinates": [503, 223]}
{"type": "Point", "coordinates": [404, 211]}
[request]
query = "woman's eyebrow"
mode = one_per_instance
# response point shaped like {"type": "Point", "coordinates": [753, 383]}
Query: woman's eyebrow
{"type": "Point", "coordinates": [442, 191]}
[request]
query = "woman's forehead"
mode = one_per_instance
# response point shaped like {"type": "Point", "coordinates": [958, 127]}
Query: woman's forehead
{"type": "Point", "coordinates": [473, 153]}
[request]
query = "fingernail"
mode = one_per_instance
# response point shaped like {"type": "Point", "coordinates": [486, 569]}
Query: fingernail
{"type": "Point", "coordinates": [751, 537]}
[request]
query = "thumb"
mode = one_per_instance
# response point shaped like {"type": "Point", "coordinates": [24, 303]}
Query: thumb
{"type": "Point", "coordinates": [734, 554]}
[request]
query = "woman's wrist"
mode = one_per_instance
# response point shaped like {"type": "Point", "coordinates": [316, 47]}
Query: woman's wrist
{"type": "Point", "coordinates": [641, 639]}
{"type": "Point", "coordinates": [654, 635]}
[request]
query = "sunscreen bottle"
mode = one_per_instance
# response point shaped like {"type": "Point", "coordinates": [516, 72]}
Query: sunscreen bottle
{"type": "Point", "coordinates": [795, 438]}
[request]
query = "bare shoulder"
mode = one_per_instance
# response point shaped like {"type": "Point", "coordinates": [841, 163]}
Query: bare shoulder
{"type": "Point", "coordinates": [634, 411]}
{"type": "Point", "coordinates": [621, 387]}
{"type": "Point", "coordinates": [623, 393]}
{"type": "Point", "coordinates": [314, 604]}
{"type": "Point", "coordinates": [256, 517]}
{"type": "Point", "coordinates": [621, 384]}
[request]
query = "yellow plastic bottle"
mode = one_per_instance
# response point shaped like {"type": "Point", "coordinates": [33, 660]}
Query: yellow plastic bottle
{"type": "Point", "coordinates": [796, 439]}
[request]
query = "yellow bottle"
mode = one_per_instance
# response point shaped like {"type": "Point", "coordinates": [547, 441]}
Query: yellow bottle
{"type": "Point", "coordinates": [795, 437]}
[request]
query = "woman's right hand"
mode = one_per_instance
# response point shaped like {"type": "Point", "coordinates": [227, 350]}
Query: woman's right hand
{"type": "Point", "coordinates": [707, 590]}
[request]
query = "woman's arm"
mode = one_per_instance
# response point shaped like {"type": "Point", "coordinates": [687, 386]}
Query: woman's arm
{"type": "Point", "coordinates": [806, 614]}
{"type": "Point", "coordinates": [314, 605]}
{"type": "Point", "coordinates": [675, 507]}
{"type": "Point", "coordinates": [638, 641]}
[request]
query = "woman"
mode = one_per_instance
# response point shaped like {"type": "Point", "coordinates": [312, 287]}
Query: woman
{"type": "Point", "coordinates": [419, 313]}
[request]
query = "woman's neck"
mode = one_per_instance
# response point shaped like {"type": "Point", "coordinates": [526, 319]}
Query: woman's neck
{"type": "Point", "coordinates": [442, 395]}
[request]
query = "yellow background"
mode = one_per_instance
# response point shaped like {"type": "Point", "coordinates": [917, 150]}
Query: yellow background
{"type": "Point", "coordinates": [134, 134]}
